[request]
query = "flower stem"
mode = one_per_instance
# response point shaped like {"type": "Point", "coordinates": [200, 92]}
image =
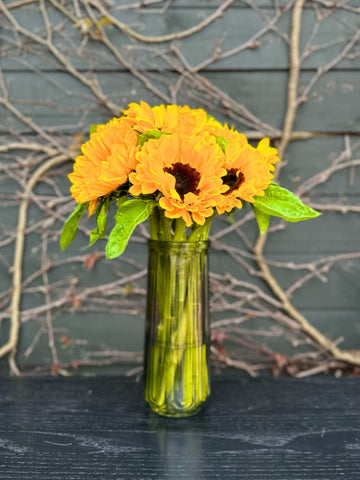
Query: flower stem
{"type": "Point", "coordinates": [177, 316]}
{"type": "Point", "coordinates": [179, 233]}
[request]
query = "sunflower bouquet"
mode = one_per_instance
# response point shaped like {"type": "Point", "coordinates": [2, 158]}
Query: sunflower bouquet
{"type": "Point", "coordinates": [177, 167]}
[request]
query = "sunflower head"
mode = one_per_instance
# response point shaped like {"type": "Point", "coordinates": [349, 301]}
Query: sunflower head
{"type": "Point", "coordinates": [167, 119]}
{"type": "Point", "coordinates": [224, 134]}
{"type": "Point", "coordinates": [106, 160]}
{"type": "Point", "coordinates": [248, 173]}
{"type": "Point", "coordinates": [184, 171]}
{"type": "Point", "coordinates": [196, 164]}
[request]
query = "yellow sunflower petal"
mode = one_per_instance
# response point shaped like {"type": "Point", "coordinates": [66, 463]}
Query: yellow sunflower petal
{"type": "Point", "coordinates": [188, 175]}
{"type": "Point", "coordinates": [107, 159]}
{"type": "Point", "coordinates": [270, 153]}
{"type": "Point", "coordinates": [169, 118]}
{"type": "Point", "coordinates": [248, 173]}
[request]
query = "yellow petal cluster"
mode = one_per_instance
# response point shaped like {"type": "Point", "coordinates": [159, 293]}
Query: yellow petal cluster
{"type": "Point", "coordinates": [193, 165]}
{"type": "Point", "coordinates": [248, 173]}
{"type": "Point", "coordinates": [167, 119]}
{"type": "Point", "coordinates": [184, 171]}
{"type": "Point", "coordinates": [106, 160]}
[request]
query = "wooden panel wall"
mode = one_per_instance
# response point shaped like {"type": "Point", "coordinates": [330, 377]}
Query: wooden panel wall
{"type": "Point", "coordinates": [68, 64]}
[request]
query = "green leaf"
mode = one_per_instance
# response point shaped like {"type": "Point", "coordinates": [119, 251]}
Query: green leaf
{"type": "Point", "coordinates": [280, 202]}
{"type": "Point", "coordinates": [230, 216]}
{"type": "Point", "coordinates": [121, 200]}
{"type": "Point", "coordinates": [149, 135]}
{"type": "Point", "coordinates": [262, 218]}
{"type": "Point", "coordinates": [101, 220]}
{"type": "Point", "coordinates": [93, 128]}
{"type": "Point", "coordinates": [129, 215]}
{"type": "Point", "coordinates": [71, 225]}
{"type": "Point", "coordinates": [221, 142]}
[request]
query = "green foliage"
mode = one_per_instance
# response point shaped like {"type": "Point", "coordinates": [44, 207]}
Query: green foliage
{"type": "Point", "coordinates": [93, 128]}
{"type": "Point", "coordinates": [221, 142]}
{"type": "Point", "coordinates": [101, 218]}
{"type": "Point", "coordinates": [100, 230]}
{"type": "Point", "coordinates": [71, 225]}
{"type": "Point", "coordinates": [280, 202]}
{"type": "Point", "coordinates": [121, 200]}
{"type": "Point", "coordinates": [129, 214]}
{"type": "Point", "coordinates": [230, 216]}
{"type": "Point", "coordinates": [149, 135]}
{"type": "Point", "coordinates": [262, 218]}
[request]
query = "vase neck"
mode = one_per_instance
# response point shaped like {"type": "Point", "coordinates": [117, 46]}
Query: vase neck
{"type": "Point", "coordinates": [178, 247]}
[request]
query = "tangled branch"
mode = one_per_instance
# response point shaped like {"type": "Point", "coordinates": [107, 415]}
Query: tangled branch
{"type": "Point", "coordinates": [85, 40]}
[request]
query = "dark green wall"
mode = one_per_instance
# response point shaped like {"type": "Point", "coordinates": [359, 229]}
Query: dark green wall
{"type": "Point", "coordinates": [52, 106]}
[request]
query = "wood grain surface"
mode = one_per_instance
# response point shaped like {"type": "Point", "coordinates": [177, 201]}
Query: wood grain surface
{"type": "Point", "coordinates": [100, 428]}
{"type": "Point", "coordinates": [46, 96]}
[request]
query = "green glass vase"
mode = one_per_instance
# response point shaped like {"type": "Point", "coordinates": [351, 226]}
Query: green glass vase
{"type": "Point", "coordinates": [176, 361]}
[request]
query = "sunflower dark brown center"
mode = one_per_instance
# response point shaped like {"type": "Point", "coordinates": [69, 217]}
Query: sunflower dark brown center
{"type": "Point", "coordinates": [233, 179]}
{"type": "Point", "coordinates": [186, 179]}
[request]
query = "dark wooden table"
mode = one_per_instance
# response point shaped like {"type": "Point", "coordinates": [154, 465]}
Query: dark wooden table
{"type": "Point", "coordinates": [100, 428]}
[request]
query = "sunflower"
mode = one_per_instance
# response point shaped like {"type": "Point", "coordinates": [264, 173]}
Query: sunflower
{"type": "Point", "coordinates": [106, 160]}
{"type": "Point", "coordinates": [224, 134]}
{"type": "Point", "coordinates": [248, 173]}
{"type": "Point", "coordinates": [185, 170]}
{"type": "Point", "coordinates": [270, 153]}
{"type": "Point", "coordinates": [167, 119]}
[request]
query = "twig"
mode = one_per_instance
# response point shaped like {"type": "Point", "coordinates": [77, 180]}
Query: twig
{"type": "Point", "coordinates": [49, 324]}
{"type": "Point", "coordinates": [11, 345]}
{"type": "Point", "coordinates": [348, 356]}
{"type": "Point", "coordinates": [233, 302]}
{"type": "Point", "coordinates": [163, 38]}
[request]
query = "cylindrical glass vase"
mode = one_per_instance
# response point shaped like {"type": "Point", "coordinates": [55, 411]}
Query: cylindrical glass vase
{"type": "Point", "coordinates": [176, 362]}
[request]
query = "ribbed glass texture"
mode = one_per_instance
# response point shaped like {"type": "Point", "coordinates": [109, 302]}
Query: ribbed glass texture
{"type": "Point", "coordinates": [177, 328]}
